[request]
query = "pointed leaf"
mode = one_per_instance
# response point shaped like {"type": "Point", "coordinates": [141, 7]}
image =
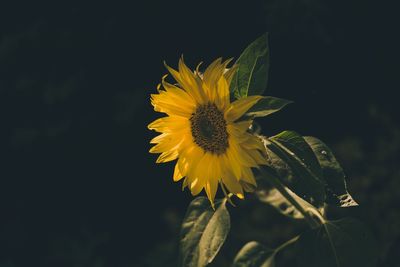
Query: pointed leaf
{"type": "Point", "coordinates": [342, 243]}
{"type": "Point", "coordinates": [251, 77]}
{"type": "Point", "coordinates": [296, 144]}
{"type": "Point", "coordinates": [203, 232]}
{"type": "Point", "coordinates": [304, 176]}
{"type": "Point", "coordinates": [253, 254]}
{"type": "Point", "coordinates": [336, 189]}
{"type": "Point", "coordinates": [267, 105]}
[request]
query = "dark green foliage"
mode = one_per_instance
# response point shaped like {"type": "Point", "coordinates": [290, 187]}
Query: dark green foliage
{"type": "Point", "coordinates": [335, 183]}
{"type": "Point", "coordinates": [203, 232]}
{"type": "Point", "coordinates": [267, 105]}
{"type": "Point", "coordinates": [342, 243]}
{"type": "Point", "coordinates": [306, 180]}
{"type": "Point", "coordinates": [253, 254]}
{"type": "Point", "coordinates": [252, 75]}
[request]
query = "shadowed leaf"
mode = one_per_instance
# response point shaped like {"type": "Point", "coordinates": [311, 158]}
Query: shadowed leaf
{"type": "Point", "coordinates": [336, 189]}
{"type": "Point", "coordinates": [295, 164]}
{"type": "Point", "coordinates": [342, 243]}
{"type": "Point", "coordinates": [279, 202]}
{"type": "Point", "coordinates": [253, 254]}
{"type": "Point", "coordinates": [267, 105]}
{"type": "Point", "coordinates": [203, 232]}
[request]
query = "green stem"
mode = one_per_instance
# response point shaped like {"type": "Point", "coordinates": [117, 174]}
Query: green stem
{"type": "Point", "coordinates": [287, 243]}
{"type": "Point", "coordinates": [281, 188]}
{"type": "Point", "coordinates": [284, 245]}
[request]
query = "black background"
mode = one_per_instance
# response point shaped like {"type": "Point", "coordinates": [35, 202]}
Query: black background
{"type": "Point", "coordinates": [75, 81]}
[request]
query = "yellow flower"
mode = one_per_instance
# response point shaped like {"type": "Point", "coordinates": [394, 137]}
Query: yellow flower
{"type": "Point", "coordinates": [203, 131]}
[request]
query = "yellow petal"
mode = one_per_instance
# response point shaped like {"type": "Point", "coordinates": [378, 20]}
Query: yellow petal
{"type": "Point", "coordinates": [210, 91]}
{"type": "Point", "coordinates": [185, 84]}
{"type": "Point", "coordinates": [222, 99]}
{"type": "Point", "coordinates": [163, 102]}
{"type": "Point", "coordinates": [243, 126]}
{"type": "Point", "coordinates": [160, 138]}
{"type": "Point", "coordinates": [213, 175]}
{"type": "Point", "coordinates": [232, 162]}
{"type": "Point", "coordinates": [169, 124]}
{"type": "Point", "coordinates": [213, 72]}
{"type": "Point", "coordinates": [232, 183]}
{"type": "Point", "coordinates": [193, 85]}
{"type": "Point", "coordinates": [174, 73]}
{"type": "Point", "coordinates": [240, 107]}
{"type": "Point", "coordinates": [183, 165]}
{"type": "Point", "coordinates": [175, 137]}
{"type": "Point", "coordinates": [253, 142]}
{"type": "Point", "coordinates": [226, 63]}
{"type": "Point", "coordinates": [258, 157]}
{"type": "Point", "coordinates": [196, 178]}
{"type": "Point", "coordinates": [211, 77]}
{"type": "Point", "coordinates": [167, 156]}
{"type": "Point", "coordinates": [241, 155]}
{"type": "Point", "coordinates": [165, 146]}
{"type": "Point", "coordinates": [196, 186]}
{"type": "Point", "coordinates": [211, 190]}
{"type": "Point", "coordinates": [178, 94]}
{"type": "Point", "coordinates": [248, 176]}
{"type": "Point", "coordinates": [197, 72]}
{"type": "Point", "coordinates": [191, 157]}
{"type": "Point", "coordinates": [238, 130]}
{"type": "Point", "coordinates": [185, 183]}
{"type": "Point", "coordinates": [230, 73]}
{"type": "Point", "coordinates": [177, 174]}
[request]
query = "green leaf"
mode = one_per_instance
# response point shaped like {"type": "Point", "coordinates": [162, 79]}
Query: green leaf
{"type": "Point", "coordinates": [279, 202]}
{"type": "Point", "coordinates": [253, 254]}
{"type": "Point", "coordinates": [296, 144]}
{"type": "Point", "coordinates": [342, 243]}
{"type": "Point", "coordinates": [297, 166]}
{"type": "Point", "coordinates": [203, 232]}
{"type": "Point", "coordinates": [336, 189]}
{"type": "Point", "coordinates": [267, 105]}
{"type": "Point", "coordinates": [251, 77]}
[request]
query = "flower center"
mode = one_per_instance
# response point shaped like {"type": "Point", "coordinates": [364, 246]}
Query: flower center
{"type": "Point", "coordinates": [209, 129]}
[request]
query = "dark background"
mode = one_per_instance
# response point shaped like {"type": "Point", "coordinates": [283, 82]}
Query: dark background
{"type": "Point", "coordinates": [78, 186]}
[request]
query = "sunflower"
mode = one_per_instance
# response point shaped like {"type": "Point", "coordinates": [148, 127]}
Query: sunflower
{"type": "Point", "coordinates": [205, 131]}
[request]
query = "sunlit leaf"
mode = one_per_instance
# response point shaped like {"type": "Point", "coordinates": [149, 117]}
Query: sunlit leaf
{"type": "Point", "coordinates": [252, 75]}
{"type": "Point", "coordinates": [342, 243]}
{"type": "Point", "coordinates": [253, 254]}
{"type": "Point", "coordinates": [296, 165]}
{"type": "Point", "coordinates": [267, 105]}
{"type": "Point", "coordinates": [203, 232]}
{"type": "Point", "coordinates": [336, 189]}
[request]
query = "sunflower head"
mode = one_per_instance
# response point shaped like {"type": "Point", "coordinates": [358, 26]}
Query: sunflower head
{"type": "Point", "coordinates": [202, 131]}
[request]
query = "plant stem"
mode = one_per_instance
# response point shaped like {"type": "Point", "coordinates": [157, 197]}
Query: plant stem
{"type": "Point", "coordinates": [281, 188]}
{"type": "Point", "coordinates": [287, 243]}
